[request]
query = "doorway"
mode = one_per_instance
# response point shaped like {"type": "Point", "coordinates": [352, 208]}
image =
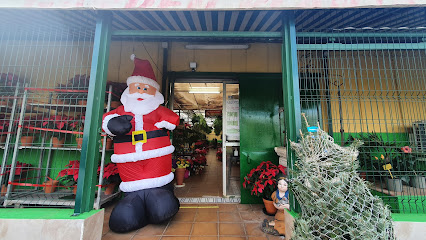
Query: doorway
{"type": "Point", "coordinates": [209, 129]}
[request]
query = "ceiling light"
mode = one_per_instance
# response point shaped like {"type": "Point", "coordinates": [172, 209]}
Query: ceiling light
{"type": "Point", "coordinates": [217, 46]}
{"type": "Point", "coordinates": [204, 90]}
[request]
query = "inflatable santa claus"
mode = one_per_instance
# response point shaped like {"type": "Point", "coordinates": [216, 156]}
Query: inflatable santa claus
{"type": "Point", "coordinates": [142, 152]}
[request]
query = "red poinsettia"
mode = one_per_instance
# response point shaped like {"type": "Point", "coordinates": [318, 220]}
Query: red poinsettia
{"type": "Point", "coordinates": [261, 180]}
{"type": "Point", "coordinates": [110, 173]}
{"type": "Point", "coordinates": [20, 168]}
{"type": "Point", "coordinates": [69, 175]}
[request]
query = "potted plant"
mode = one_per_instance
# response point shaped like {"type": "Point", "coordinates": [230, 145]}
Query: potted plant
{"type": "Point", "coordinates": [68, 177]}
{"type": "Point", "coordinates": [262, 183]}
{"type": "Point", "coordinates": [117, 89]}
{"type": "Point", "coordinates": [111, 178]}
{"type": "Point", "coordinates": [54, 124]}
{"type": "Point", "coordinates": [4, 128]}
{"type": "Point", "coordinates": [181, 165]}
{"type": "Point", "coordinates": [21, 170]}
{"type": "Point", "coordinates": [8, 82]}
{"type": "Point", "coordinates": [411, 164]}
{"type": "Point", "coordinates": [75, 91]}
{"type": "Point", "coordinates": [77, 126]}
{"type": "Point", "coordinates": [29, 126]}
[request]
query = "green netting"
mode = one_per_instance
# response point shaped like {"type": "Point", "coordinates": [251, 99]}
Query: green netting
{"type": "Point", "coordinates": [336, 203]}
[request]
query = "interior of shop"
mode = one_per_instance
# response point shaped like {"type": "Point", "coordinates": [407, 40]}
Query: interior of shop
{"type": "Point", "coordinates": [199, 140]}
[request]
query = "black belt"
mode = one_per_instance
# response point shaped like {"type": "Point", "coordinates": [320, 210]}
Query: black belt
{"type": "Point", "coordinates": [140, 137]}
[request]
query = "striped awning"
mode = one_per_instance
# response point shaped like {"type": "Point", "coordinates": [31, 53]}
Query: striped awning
{"type": "Point", "coordinates": [235, 21]}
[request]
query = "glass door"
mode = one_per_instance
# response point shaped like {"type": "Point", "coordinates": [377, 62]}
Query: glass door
{"type": "Point", "coordinates": [231, 140]}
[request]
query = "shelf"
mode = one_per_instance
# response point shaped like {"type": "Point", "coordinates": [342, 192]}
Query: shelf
{"type": "Point", "coordinates": [59, 107]}
{"type": "Point", "coordinates": [58, 198]}
{"type": "Point", "coordinates": [54, 148]}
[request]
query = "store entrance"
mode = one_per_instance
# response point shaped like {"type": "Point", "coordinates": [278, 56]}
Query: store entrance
{"type": "Point", "coordinates": [207, 139]}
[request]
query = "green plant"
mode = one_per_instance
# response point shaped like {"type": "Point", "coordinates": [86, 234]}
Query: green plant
{"type": "Point", "coordinates": [69, 176]}
{"type": "Point", "coordinates": [55, 124]}
{"type": "Point", "coordinates": [182, 163]}
{"type": "Point", "coordinates": [261, 180]}
{"type": "Point", "coordinates": [75, 89]}
{"type": "Point", "coordinates": [200, 124]}
{"type": "Point", "coordinates": [375, 153]}
{"type": "Point", "coordinates": [110, 174]}
{"type": "Point", "coordinates": [77, 126]}
{"type": "Point", "coordinates": [217, 125]}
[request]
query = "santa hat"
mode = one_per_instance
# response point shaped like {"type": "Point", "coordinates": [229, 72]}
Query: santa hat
{"type": "Point", "coordinates": [142, 73]}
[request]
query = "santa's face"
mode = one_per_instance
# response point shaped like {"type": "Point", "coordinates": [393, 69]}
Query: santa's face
{"type": "Point", "coordinates": [141, 98]}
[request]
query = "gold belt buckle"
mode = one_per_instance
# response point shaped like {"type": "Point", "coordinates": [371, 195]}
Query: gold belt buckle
{"type": "Point", "coordinates": [144, 140]}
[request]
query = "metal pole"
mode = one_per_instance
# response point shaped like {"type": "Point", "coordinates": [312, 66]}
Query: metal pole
{"type": "Point", "coordinates": [101, 172]}
{"type": "Point", "coordinates": [291, 91]}
{"type": "Point", "coordinates": [16, 147]}
{"type": "Point", "coordinates": [94, 111]}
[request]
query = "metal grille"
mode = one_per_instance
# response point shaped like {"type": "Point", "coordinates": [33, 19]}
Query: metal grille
{"type": "Point", "coordinates": [370, 85]}
{"type": "Point", "coordinates": [44, 82]}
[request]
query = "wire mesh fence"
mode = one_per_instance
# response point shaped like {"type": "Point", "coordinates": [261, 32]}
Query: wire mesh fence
{"type": "Point", "coordinates": [370, 85]}
{"type": "Point", "coordinates": [44, 82]}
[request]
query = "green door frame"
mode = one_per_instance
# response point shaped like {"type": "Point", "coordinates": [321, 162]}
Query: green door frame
{"type": "Point", "coordinates": [103, 33]}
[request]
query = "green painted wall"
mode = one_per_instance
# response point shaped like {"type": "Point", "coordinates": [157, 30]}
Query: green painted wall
{"type": "Point", "coordinates": [260, 99]}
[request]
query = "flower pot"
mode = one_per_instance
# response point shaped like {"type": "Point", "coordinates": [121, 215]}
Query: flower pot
{"type": "Point", "coordinates": [394, 184]}
{"type": "Point", "coordinates": [3, 138]}
{"type": "Point", "coordinates": [109, 189]}
{"type": "Point", "coordinates": [115, 104]}
{"type": "Point", "coordinates": [57, 143]}
{"type": "Point", "coordinates": [180, 175]}
{"type": "Point", "coordinates": [269, 206]}
{"type": "Point", "coordinates": [27, 140]}
{"type": "Point", "coordinates": [418, 182]}
{"type": "Point", "coordinates": [74, 191]}
{"type": "Point", "coordinates": [4, 189]}
{"type": "Point", "coordinates": [108, 145]}
{"type": "Point", "coordinates": [79, 142]}
{"type": "Point", "coordinates": [50, 186]}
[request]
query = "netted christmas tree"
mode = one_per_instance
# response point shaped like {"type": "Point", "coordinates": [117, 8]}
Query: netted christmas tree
{"type": "Point", "coordinates": [335, 202]}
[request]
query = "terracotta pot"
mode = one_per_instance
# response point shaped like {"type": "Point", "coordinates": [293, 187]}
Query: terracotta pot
{"type": "Point", "coordinates": [74, 191]}
{"type": "Point", "coordinates": [27, 140]}
{"type": "Point", "coordinates": [269, 206]}
{"type": "Point", "coordinates": [108, 143]}
{"type": "Point", "coordinates": [115, 104]}
{"type": "Point", "coordinates": [57, 143]}
{"type": "Point", "coordinates": [180, 174]}
{"type": "Point", "coordinates": [3, 138]}
{"type": "Point", "coordinates": [109, 189]}
{"type": "Point", "coordinates": [79, 142]}
{"type": "Point", "coordinates": [50, 186]}
{"type": "Point", "coordinates": [4, 189]}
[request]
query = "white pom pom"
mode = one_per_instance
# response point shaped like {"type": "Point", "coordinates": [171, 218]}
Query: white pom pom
{"type": "Point", "coordinates": [132, 57]}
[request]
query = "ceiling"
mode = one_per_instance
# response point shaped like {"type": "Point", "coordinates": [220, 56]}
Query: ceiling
{"type": "Point", "coordinates": [239, 21]}
{"type": "Point", "coordinates": [184, 100]}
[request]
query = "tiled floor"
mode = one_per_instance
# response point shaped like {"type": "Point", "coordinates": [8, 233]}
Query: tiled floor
{"type": "Point", "coordinates": [208, 183]}
{"type": "Point", "coordinates": [202, 221]}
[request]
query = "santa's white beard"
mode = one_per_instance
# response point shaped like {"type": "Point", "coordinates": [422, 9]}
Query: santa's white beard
{"type": "Point", "coordinates": [147, 105]}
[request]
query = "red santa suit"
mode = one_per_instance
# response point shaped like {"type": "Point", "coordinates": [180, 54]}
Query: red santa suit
{"type": "Point", "coordinates": [144, 163]}
{"type": "Point", "coordinates": [143, 155]}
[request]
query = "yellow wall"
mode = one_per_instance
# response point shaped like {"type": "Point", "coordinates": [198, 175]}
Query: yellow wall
{"type": "Point", "coordinates": [380, 91]}
{"type": "Point", "coordinates": [258, 58]}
